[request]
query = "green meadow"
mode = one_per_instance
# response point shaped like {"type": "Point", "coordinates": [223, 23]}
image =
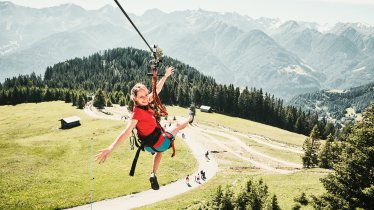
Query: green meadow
{"type": "Point", "coordinates": [235, 173]}
{"type": "Point", "coordinates": [45, 167]}
{"type": "Point", "coordinates": [286, 187]}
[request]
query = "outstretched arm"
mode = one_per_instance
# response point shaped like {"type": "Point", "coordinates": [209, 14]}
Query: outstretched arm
{"type": "Point", "coordinates": [168, 71]}
{"type": "Point", "coordinates": [104, 153]}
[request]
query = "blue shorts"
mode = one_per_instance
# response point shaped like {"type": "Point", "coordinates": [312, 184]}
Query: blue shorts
{"type": "Point", "coordinates": [163, 143]}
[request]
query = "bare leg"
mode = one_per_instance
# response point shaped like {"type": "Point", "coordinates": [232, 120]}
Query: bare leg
{"type": "Point", "coordinates": [180, 125]}
{"type": "Point", "coordinates": [156, 161]}
{"type": "Point", "coordinates": [153, 179]}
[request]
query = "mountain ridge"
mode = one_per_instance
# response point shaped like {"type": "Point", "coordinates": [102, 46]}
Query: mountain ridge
{"type": "Point", "coordinates": [284, 58]}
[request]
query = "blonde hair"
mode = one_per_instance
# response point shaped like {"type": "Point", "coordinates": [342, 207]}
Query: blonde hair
{"type": "Point", "coordinates": [135, 90]}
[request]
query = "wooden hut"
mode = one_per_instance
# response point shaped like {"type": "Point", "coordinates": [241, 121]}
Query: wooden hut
{"type": "Point", "coordinates": [70, 122]}
{"type": "Point", "coordinates": [206, 109]}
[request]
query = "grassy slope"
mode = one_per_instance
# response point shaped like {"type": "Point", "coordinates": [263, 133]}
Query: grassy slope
{"type": "Point", "coordinates": [44, 167]}
{"type": "Point", "coordinates": [286, 187]}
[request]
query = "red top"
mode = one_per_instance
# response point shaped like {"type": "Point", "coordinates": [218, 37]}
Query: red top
{"type": "Point", "coordinates": [146, 121]}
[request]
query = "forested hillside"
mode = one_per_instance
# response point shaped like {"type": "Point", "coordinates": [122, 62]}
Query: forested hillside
{"type": "Point", "coordinates": [115, 71]}
{"type": "Point", "coordinates": [332, 104]}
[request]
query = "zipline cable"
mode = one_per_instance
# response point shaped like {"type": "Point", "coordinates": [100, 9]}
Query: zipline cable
{"type": "Point", "coordinates": [161, 111]}
{"type": "Point", "coordinates": [124, 12]}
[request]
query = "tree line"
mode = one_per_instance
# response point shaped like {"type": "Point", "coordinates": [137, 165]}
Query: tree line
{"type": "Point", "coordinates": [336, 103]}
{"type": "Point", "coordinates": [350, 185]}
{"type": "Point", "coordinates": [350, 155]}
{"type": "Point", "coordinates": [112, 74]}
{"type": "Point", "coordinates": [31, 89]}
{"type": "Point", "coordinates": [253, 195]}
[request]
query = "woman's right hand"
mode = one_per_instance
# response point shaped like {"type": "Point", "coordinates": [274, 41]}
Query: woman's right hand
{"type": "Point", "coordinates": [102, 155]}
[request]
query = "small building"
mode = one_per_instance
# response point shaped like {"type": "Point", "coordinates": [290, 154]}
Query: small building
{"type": "Point", "coordinates": [70, 122]}
{"type": "Point", "coordinates": [206, 109]}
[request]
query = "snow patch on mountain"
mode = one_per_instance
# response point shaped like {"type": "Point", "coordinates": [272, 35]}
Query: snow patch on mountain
{"type": "Point", "coordinates": [359, 69]}
{"type": "Point", "coordinates": [309, 67]}
{"type": "Point", "coordinates": [324, 28]}
{"type": "Point", "coordinates": [8, 48]}
{"type": "Point", "coordinates": [294, 69]}
{"type": "Point", "coordinates": [336, 91]}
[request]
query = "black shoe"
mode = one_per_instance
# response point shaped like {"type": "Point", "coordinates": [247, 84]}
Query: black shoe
{"type": "Point", "coordinates": [192, 112]}
{"type": "Point", "coordinates": [154, 183]}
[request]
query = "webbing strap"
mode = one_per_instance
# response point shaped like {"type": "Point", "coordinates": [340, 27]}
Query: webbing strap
{"type": "Point", "coordinates": [133, 165]}
{"type": "Point", "coordinates": [132, 140]}
{"type": "Point", "coordinates": [159, 108]}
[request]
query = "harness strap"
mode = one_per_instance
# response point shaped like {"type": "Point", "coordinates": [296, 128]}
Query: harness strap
{"type": "Point", "coordinates": [160, 110]}
{"type": "Point", "coordinates": [142, 145]}
{"type": "Point", "coordinates": [132, 140]}
{"type": "Point", "coordinates": [133, 166]}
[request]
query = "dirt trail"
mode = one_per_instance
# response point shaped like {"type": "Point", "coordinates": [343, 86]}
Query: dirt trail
{"type": "Point", "coordinates": [254, 152]}
{"type": "Point", "coordinates": [266, 141]}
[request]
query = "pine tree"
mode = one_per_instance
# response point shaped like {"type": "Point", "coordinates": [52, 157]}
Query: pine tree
{"type": "Point", "coordinates": [196, 96]}
{"type": "Point", "coordinates": [351, 185]}
{"type": "Point", "coordinates": [216, 202]}
{"type": "Point", "coordinates": [241, 200]}
{"type": "Point", "coordinates": [122, 101]}
{"type": "Point", "coordinates": [302, 199]}
{"type": "Point", "coordinates": [226, 203]}
{"type": "Point", "coordinates": [67, 97]}
{"type": "Point", "coordinates": [99, 100]}
{"type": "Point", "coordinates": [298, 125]}
{"type": "Point", "coordinates": [48, 95]}
{"type": "Point", "coordinates": [329, 153]}
{"type": "Point", "coordinates": [297, 206]}
{"type": "Point", "coordinates": [74, 98]}
{"type": "Point", "coordinates": [273, 204]}
{"type": "Point", "coordinates": [109, 103]}
{"type": "Point", "coordinates": [81, 101]}
{"type": "Point", "coordinates": [329, 129]}
{"type": "Point", "coordinates": [310, 147]}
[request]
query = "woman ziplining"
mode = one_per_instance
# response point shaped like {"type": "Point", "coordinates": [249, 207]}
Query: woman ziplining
{"type": "Point", "coordinates": [155, 139]}
{"type": "Point", "coordinates": [152, 137]}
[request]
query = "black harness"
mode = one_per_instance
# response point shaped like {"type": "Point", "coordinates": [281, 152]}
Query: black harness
{"type": "Point", "coordinates": [144, 141]}
{"type": "Point", "coordinates": [141, 142]}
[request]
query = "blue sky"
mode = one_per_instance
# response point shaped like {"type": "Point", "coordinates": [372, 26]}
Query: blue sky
{"type": "Point", "coordinates": [321, 11]}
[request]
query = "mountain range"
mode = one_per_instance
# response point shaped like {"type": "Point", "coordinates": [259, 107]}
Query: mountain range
{"type": "Point", "coordinates": [284, 58]}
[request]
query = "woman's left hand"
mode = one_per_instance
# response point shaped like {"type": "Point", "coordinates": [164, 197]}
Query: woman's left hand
{"type": "Point", "coordinates": [169, 70]}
